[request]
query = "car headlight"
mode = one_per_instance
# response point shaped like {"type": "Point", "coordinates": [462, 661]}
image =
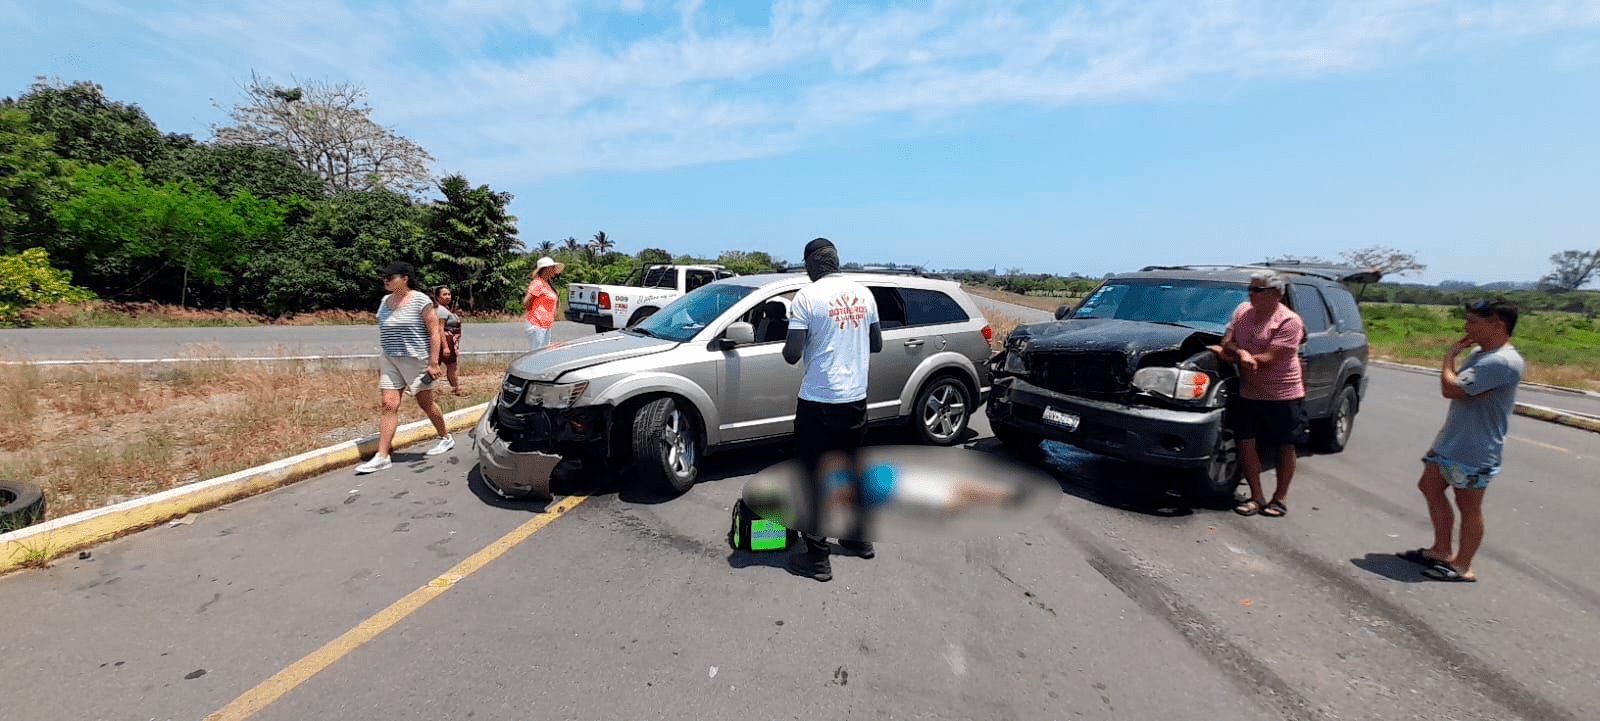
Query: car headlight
{"type": "Point", "coordinates": [553, 395]}
{"type": "Point", "coordinates": [1015, 363]}
{"type": "Point", "coordinates": [1175, 383]}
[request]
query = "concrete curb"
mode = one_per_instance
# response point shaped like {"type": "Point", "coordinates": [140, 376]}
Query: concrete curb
{"type": "Point", "coordinates": [51, 539]}
{"type": "Point", "coordinates": [1570, 419]}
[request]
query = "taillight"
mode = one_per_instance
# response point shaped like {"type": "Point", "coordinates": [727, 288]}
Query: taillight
{"type": "Point", "coordinates": [605, 300]}
{"type": "Point", "coordinates": [988, 334]}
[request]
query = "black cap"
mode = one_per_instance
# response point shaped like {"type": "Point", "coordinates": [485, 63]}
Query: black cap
{"type": "Point", "coordinates": [400, 267]}
{"type": "Point", "coordinates": [816, 245]}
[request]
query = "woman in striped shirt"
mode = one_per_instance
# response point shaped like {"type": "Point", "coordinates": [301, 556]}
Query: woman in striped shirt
{"type": "Point", "coordinates": [410, 335]}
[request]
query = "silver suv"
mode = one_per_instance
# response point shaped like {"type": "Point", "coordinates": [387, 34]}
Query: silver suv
{"type": "Point", "coordinates": [706, 373]}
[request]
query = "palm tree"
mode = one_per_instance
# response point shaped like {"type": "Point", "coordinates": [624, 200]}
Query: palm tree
{"type": "Point", "coordinates": [547, 247]}
{"type": "Point", "coordinates": [601, 244]}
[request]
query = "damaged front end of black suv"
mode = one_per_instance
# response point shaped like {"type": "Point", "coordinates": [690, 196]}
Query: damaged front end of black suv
{"type": "Point", "coordinates": [1146, 392]}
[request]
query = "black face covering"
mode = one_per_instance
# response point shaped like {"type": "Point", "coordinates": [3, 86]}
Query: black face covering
{"type": "Point", "coordinates": [821, 259]}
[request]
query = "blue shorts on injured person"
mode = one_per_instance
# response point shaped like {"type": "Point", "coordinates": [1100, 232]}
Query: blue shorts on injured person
{"type": "Point", "coordinates": [1463, 477]}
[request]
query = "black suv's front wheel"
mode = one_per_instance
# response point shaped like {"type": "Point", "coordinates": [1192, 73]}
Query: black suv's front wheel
{"type": "Point", "coordinates": [1020, 443]}
{"type": "Point", "coordinates": [1220, 476]}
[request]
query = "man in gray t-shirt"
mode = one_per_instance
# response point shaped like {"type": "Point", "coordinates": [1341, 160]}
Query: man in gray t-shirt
{"type": "Point", "coordinates": [1466, 453]}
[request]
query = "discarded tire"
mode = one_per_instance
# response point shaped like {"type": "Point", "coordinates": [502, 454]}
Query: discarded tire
{"type": "Point", "coordinates": [21, 504]}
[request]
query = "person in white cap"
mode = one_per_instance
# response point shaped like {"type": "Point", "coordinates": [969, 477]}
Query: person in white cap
{"type": "Point", "coordinates": [540, 300]}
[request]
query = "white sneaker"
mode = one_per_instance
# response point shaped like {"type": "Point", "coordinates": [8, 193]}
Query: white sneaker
{"type": "Point", "coordinates": [443, 446]}
{"type": "Point", "coordinates": [378, 463]}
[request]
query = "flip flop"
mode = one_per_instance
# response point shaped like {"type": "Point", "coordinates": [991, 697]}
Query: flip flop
{"type": "Point", "coordinates": [1418, 556]}
{"type": "Point", "coordinates": [1445, 572]}
{"type": "Point", "coordinates": [1248, 508]}
{"type": "Point", "coordinates": [1278, 506]}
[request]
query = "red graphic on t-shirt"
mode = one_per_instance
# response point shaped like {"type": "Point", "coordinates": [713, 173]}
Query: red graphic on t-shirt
{"type": "Point", "coordinates": [847, 309]}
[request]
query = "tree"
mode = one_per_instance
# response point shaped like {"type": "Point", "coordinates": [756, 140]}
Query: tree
{"type": "Point", "coordinates": [473, 238]}
{"type": "Point", "coordinates": [651, 256]}
{"type": "Point", "coordinates": [571, 245]}
{"type": "Point", "coordinates": [227, 169]}
{"type": "Point", "coordinates": [601, 244]}
{"type": "Point", "coordinates": [125, 231]}
{"type": "Point", "coordinates": [545, 247]}
{"type": "Point", "coordinates": [745, 263]}
{"type": "Point", "coordinates": [28, 279]}
{"type": "Point", "coordinates": [332, 258]}
{"type": "Point", "coordinates": [1573, 270]}
{"type": "Point", "coordinates": [1391, 262]}
{"type": "Point", "coordinates": [29, 171]}
{"type": "Point", "coordinates": [86, 126]}
{"type": "Point", "coordinates": [329, 130]}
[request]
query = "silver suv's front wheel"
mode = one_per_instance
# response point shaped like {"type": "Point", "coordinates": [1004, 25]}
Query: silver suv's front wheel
{"type": "Point", "coordinates": [666, 444]}
{"type": "Point", "coordinates": [941, 412]}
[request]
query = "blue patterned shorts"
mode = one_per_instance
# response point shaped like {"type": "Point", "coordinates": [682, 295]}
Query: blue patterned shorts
{"type": "Point", "coordinates": [1466, 478]}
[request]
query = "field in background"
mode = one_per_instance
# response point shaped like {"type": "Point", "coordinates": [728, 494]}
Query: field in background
{"type": "Point", "coordinates": [99, 435]}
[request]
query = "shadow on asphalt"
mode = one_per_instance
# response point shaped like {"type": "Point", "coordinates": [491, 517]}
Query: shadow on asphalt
{"type": "Point", "coordinates": [1390, 566]}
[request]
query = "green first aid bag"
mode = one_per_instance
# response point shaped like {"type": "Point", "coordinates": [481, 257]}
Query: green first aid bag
{"type": "Point", "coordinates": [754, 533]}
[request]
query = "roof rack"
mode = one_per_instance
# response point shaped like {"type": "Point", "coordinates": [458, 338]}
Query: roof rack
{"type": "Point", "coordinates": [1326, 271]}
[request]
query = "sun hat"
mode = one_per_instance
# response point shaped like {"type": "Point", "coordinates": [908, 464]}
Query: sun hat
{"type": "Point", "coordinates": [548, 262]}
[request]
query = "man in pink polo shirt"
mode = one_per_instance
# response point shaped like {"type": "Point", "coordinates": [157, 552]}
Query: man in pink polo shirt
{"type": "Point", "coordinates": [1264, 338]}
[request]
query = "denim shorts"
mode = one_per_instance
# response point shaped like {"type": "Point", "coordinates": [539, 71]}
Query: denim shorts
{"type": "Point", "coordinates": [1464, 477]}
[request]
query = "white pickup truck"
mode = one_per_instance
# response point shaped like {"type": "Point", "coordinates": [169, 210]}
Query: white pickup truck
{"type": "Point", "coordinates": [607, 307]}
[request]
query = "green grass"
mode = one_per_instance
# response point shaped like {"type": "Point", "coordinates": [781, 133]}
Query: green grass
{"type": "Point", "coordinates": [1560, 348]}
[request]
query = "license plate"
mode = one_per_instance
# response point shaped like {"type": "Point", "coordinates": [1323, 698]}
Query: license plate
{"type": "Point", "coordinates": [1061, 418]}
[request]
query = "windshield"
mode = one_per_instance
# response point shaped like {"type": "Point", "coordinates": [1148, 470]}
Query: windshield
{"type": "Point", "coordinates": [660, 278]}
{"type": "Point", "coordinates": [1199, 305]}
{"type": "Point", "coordinates": [686, 316]}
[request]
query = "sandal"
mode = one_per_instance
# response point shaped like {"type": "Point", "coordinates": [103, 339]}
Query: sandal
{"type": "Point", "coordinates": [1442, 571]}
{"type": "Point", "coordinates": [1281, 510]}
{"type": "Point", "coordinates": [1420, 557]}
{"type": "Point", "coordinates": [1248, 508]}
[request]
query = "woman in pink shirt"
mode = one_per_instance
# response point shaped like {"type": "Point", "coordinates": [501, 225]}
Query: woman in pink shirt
{"type": "Point", "coordinates": [540, 301]}
{"type": "Point", "coordinates": [1264, 338]}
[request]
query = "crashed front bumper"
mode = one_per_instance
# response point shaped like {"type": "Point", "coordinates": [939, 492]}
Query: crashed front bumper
{"type": "Point", "coordinates": [518, 456]}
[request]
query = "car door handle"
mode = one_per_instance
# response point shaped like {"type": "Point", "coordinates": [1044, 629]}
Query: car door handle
{"type": "Point", "coordinates": [915, 343]}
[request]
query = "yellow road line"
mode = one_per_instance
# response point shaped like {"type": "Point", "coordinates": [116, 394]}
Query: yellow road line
{"type": "Point", "coordinates": [1530, 441]}
{"type": "Point", "coordinates": [299, 672]}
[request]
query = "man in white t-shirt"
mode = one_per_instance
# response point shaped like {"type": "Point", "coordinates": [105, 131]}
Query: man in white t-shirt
{"type": "Point", "coordinates": [833, 328]}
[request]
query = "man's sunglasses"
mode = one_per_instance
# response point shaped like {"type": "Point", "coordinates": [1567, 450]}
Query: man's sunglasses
{"type": "Point", "coordinates": [1260, 289]}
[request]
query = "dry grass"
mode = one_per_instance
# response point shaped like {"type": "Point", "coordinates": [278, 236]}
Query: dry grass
{"type": "Point", "coordinates": [1026, 301]}
{"type": "Point", "coordinates": [1003, 324]}
{"type": "Point", "coordinates": [99, 435]}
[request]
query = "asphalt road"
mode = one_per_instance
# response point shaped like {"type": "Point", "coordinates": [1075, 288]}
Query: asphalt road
{"type": "Point", "coordinates": [1126, 603]}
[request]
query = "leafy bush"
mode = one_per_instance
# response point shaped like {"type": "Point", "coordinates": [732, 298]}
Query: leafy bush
{"type": "Point", "coordinates": [27, 279]}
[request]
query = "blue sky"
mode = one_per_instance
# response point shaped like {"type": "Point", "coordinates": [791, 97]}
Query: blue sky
{"type": "Point", "coordinates": [1054, 137]}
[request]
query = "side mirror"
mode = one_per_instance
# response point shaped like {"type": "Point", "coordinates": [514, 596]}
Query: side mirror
{"type": "Point", "coordinates": [738, 334]}
{"type": "Point", "coordinates": [1064, 309]}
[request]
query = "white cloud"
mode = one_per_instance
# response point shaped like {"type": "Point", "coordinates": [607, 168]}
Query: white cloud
{"type": "Point", "coordinates": [562, 92]}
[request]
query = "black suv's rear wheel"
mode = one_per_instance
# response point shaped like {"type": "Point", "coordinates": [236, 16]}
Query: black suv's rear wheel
{"type": "Point", "coordinates": [1332, 434]}
{"type": "Point", "coordinates": [1220, 476]}
{"type": "Point", "coordinates": [666, 445]}
{"type": "Point", "coordinates": [1020, 443]}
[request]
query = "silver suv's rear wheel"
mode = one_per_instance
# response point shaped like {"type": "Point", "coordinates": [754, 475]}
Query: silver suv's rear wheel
{"type": "Point", "coordinates": [941, 411]}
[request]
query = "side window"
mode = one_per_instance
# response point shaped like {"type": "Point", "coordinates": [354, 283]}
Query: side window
{"type": "Point", "coordinates": [891, 307]}
{"type": "Point", "coordinates": [931, 307]}
{"type": "Point", "coordinates": [771, 318]}
{"type": "Point", "coordinates": [1308, 303]}
{"type": "Point", "coordinates": [724, 274]}
{"type": "Point", "coordinates": [698, 278]}
{"type": "Point", "coordinates": [1346, 314]}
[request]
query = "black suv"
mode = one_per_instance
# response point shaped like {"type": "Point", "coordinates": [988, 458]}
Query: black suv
{"type": "Point", "coordinates": [1125, 372]}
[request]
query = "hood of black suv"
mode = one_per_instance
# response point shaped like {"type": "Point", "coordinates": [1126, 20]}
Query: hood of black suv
{"type": "Point", "coordinates": [1130, 338]}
